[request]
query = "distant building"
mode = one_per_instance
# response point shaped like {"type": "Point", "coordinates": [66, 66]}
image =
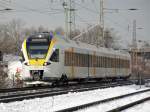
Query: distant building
{"type": "Point", "coordinates": [140, 62]}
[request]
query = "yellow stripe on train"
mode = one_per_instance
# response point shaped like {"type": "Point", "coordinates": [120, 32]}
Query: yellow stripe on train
{"type": "Point", "coordinates": [36, 62]}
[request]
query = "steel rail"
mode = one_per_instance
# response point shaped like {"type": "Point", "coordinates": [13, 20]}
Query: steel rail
{"type": "Point", "coordinates": [124, 107]}
{"type": "Point", "coordinates": [22, 96]}
{"type": "Point", "coordinates": [22, 89]}
{"type": "Point", "coordinates": [83, 106]}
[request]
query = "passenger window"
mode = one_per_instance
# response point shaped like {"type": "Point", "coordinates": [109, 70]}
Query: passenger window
{"type": "Point", "coordinates": [55, 56]}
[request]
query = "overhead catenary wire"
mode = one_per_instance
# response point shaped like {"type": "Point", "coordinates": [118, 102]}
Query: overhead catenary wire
{"type": "Point", "coordinates": [86, 8]}
{"type": "Point", "coordinates": [27, 9]}
{"type": "Point", "coordinates": [112, 21]}
{"type": "Point", "coordinates": [23, 8]}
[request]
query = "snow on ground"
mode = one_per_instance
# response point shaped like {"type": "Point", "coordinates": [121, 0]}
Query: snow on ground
{"type": "Point", "coordinates": [50, 104]}
{"type": "Point", "coordinates": [14, 64]}
{"type": "Point", "coordinates": [13, 67]}
{"type": "Point", "coordinates": [144, 107]}
{"type": "Point", "coordinates": [114, 104]}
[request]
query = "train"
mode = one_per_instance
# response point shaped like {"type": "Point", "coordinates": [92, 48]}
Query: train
{"type": "Point", "coordinates": [50, 57]}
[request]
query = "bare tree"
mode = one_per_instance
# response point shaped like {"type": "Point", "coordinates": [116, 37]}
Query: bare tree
{"type": "Point", "coordinates": [94, 36]}
{"type": "Point", "coordinates": [110, 39]}
{"type": "Point", "coordinates": [10, 36]}
{"type": "Point", "coordinates": [74, 33]}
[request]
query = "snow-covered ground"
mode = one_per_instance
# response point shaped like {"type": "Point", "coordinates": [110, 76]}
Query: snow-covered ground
{"type": "Point", "coordinates": [13, 67]}
{"type": "Point", "coordinates": [144, 107]}
{"type": "Point", "coordinates": [117, 103]}
{"type": "Point", "coordinates": [14, 64]}
{"type": "Point", "coordinates": [50, 104]}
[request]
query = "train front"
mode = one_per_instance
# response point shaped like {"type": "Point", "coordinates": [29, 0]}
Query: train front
{"type": "Point", "coordinates": [36, 51]}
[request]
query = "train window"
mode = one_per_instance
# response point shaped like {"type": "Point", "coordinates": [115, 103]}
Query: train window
{"type": "Point", "coordinates": [66, 58]}
{"type": "Point", "coordinates": [101, 61]}
{"type": "Point", "coordinates": [99, 65]}
{"type": "Point", "coordinates": [90, 58]}
{"type": "Point", "coordinates": [105, 62]}
{"type": "Point", "coordinates": [114, 64]}
{"type": "Point", "coordinates": [108, 62]}
{"type": "Point", "coordinates": [96, 62]}
{"type": "Point", "coordinates": [55, 56]}
{"type": "Point", "coordinates": [122, 63]}
{"type": "Point", "coordinates": [77, 59]}
{"type": "Point", "coordinates": [117, 62]}
{"type": "Point", "coordinates": [72, 60]}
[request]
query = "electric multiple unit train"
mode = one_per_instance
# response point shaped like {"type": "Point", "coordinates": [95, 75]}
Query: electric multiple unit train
{"type": "Point", "coordinates": [48, 57]}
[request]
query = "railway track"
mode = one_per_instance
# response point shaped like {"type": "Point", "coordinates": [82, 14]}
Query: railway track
{"type": "Point", "coordinates": [108, 100]}
{"type": "Point", "coordinates": [124, 107]}
{"type": "Point", "coordinates": [29, 93]}
{"type": "Point", "coordinates": [22, 89]}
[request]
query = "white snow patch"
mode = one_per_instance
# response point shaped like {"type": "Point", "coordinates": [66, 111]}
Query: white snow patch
{"type": "Point", "coordinates": [50, 104]}
{"type": "Point", "coordinates": [13, 67]}
{"type": "Point", "coordinates": [117, 103]}
{"type": "Point", "coordinates": [144, 107]}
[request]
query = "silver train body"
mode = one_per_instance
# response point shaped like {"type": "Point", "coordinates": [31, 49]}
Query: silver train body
{"type": "Point", "coordinates": [53, 58]}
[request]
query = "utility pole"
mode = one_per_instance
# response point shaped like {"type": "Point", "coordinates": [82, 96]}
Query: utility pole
{"type": "Point", "coordinates": [71, 17]}
{"type": "Point", "coordinates": [135, 52]}
{"type": "Point", "coordinates": [69, 7]}
{"type": "Point", "coordinates": [65, 5]}
{"type": "Point", "coordinates": [102, 21]}
{"type": "Point", "coordinates": [134, 49]}
{"type": "Point", "coordinates": [134, 35]}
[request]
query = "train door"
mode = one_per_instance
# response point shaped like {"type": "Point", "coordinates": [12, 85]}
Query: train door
{"type": "Point", "coordinates": [55, 64]}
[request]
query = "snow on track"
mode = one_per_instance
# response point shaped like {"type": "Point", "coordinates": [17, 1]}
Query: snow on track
{"type": "Point", "coordinates": [50, 104]}
{"type": "Point", "coordinates": [144, 107]}
{"type": "Point", "coordinates": [104, 107]}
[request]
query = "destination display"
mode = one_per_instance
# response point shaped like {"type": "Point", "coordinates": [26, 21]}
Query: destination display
{"type": "Point", "coordinates": [39, 40]}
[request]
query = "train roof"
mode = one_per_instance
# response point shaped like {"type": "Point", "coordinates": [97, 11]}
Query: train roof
{"type": "Point", "coordinates": [89, 47]}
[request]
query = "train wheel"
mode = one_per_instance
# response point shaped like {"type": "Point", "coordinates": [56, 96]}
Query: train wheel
{"type": "Point", "coordinates": [64, 79]}
{"type": "Point", "coordinates": [55, 83]}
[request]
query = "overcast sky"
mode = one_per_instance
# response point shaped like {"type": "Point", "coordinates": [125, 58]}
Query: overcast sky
{"type": "Point", "coordinates": [40, 12]}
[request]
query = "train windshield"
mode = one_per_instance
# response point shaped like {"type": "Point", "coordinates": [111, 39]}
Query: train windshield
{"type": "Point", "coordinates": [37, 48]}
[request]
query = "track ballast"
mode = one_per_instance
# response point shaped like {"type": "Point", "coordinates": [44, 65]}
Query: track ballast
{"type": "Point", "coordinates": [29, 93]}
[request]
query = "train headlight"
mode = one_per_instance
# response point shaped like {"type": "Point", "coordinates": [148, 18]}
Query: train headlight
{"type": "Point", "coordinates": [46, 63]}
